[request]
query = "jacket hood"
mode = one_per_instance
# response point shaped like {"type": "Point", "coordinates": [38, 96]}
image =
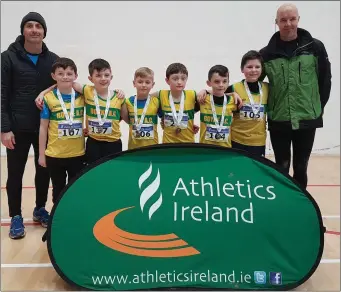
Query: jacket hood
{"type": "Point", "coordinates": [18, 45]}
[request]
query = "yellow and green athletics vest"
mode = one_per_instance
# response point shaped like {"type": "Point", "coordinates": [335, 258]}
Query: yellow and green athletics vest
{"type": "Point", "coordinates": [109, 131]}
{"type": "Point", "coordinates": [249, 128]}
{"type": "Point", "coordinates": [170, 135]}
{"type": "Point", "coordinates": [64, 140]}
{"type": "Point", "coordinates": [209, 133]}
{"type": "Point", "coordinates": [148, 134]}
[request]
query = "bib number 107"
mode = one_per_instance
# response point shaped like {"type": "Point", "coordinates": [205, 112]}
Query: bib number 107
{"type": "Point", "coordinates": [70, 132]}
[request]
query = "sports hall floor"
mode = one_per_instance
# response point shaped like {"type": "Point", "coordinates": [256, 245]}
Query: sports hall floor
{"type": "Point", "coordinates": [25, 263]}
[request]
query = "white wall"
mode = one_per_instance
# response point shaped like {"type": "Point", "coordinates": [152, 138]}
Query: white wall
{"type": "Point", "coordinates": [198, 34]}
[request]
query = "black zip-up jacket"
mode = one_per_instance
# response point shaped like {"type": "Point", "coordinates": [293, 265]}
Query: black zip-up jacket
{"type": "Point", "coordinates": [21, 83]}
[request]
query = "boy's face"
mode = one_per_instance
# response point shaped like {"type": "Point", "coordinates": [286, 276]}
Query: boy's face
{"type": "Point", "coordinates": [101, 79]}
{"type": "Point", "coordinates": [252, 70]}
{"type": "Point", "coordinates": [64, 77]}
{"type": "Point", "coordinates": [177, 82]}
{"type": "Point", "coordinates": [219, 84]}
{"type": "Point", "coordinates": [143, 85]}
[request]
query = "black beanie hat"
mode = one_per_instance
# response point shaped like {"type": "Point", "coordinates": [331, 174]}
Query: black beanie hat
{"type": "Point", "coordinates": [33, 16]}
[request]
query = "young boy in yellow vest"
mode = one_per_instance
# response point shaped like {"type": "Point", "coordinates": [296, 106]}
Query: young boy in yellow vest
{"type": "Point", "coordinates": [103, 112]}
{"type": "Point", "coordinates": [178, 106]}
{"type": "Point", "coordinates": [216, 112]}
{"type": "Point", "coordinates": [249, 123]}
{"type": "Point", "coordinates": [61, 139]}
{"type": "Point", "coordinates": [141, 111]}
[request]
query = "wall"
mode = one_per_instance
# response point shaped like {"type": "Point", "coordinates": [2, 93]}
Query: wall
{"type": "Point", "coordinates": [155, 34]}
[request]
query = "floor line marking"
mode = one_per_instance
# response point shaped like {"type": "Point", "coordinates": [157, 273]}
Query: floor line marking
{"type": "Point", "coordinates": [49, 265]}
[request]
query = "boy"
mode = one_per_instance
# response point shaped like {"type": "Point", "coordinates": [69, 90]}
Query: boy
{"type": "Point", "coordinates": [141, 111]}
{"type": "Point", "coordinates": [61, 139]}
{"type": "Point", "coordinates": [103, 112]}
{"type": "Point", "coordinates": [249, 124]}
{"type": "Point", "coordinates": [217, 110]}
{"type": "Point", "coordinates": [178, 106]}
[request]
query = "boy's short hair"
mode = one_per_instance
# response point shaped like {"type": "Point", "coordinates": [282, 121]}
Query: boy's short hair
{"type": "Point", "coordinates": [64, 63]}
{"type": "Point", "coordinates": [176, 68]}
{"type": "Point", "coordinates": [220, 69]}
{"type": "Point", "coordinates": [251, 55]}
{"type": "Point", "coordinates": [99, 65]}
{"type": "Point", "coordinates": [144, 72]}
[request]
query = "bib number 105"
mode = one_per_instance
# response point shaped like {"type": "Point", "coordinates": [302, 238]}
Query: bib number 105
{"type": "Point", "coordinates": [251, 115]}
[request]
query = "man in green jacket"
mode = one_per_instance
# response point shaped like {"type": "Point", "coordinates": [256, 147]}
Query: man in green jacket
{"type": "Point", "coordinates": [299, 74]}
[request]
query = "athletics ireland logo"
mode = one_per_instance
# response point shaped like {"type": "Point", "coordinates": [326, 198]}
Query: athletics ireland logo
{"type": "Point", "coordinates": [162, 246]}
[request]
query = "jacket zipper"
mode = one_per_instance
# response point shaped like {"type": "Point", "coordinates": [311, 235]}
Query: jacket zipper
{"type": "Point", "coordinates": [295, 52]}
{"type": "Point", "coordinates": [283, 73]}
{"type": "Point", "coordinates": [299, 71]}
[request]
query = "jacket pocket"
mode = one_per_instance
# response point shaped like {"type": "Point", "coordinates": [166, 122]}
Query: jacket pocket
{"type": "Point", "coordinates": [283, 73]}
{"type": "Point", "coordinates": [299, 72]}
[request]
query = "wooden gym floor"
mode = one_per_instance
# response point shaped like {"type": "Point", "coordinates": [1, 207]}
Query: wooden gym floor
{"type": "Point", "coordinates": [25, 263]}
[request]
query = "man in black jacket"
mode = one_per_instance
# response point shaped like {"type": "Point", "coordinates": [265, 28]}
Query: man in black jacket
{"type": "Point", "coordinates": [25, 72]}
{"type": "Point", "coordinates": [299, 74]}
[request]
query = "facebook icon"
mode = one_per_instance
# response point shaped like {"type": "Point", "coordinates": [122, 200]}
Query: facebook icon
{"type": "Point", "coordinates": [275, 278]}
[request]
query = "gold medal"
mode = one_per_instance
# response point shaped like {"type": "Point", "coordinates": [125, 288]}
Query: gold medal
{"type": "Point", "coordinates": [178, 131]}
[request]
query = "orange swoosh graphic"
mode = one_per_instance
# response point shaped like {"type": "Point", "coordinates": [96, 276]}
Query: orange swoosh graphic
{"type": "Point", "coordinates": [106, 232]}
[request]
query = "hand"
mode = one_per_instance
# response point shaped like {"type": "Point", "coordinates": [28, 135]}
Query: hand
{"type": "Point", "coordinates": [42, 160]}
{"type": "Point", "coordinates": [85, 132]}
{"type": "Point", "coordinates": [120, 93]}
{"type": "Point", "coordinates": [201, 96]}
{"type": "Point", "coordinates": [39, 101]}
{"type": "Point", "coordinates": [237, 100]}
{"type": "Point", "coordinates": [196, 129]}
{"type": "Point", "coordinates": [8, 140]}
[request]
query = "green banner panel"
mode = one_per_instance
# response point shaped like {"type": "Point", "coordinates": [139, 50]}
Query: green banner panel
{"type": "Point", "coordinates": [185, 216]}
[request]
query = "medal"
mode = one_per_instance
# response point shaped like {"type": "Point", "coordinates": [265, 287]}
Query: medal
{"type": "Point", "coordinates": [137, 123]}
{"type": "Point", "coordinates": [98, 111]}
{"type": "Point", "coordinates": [215, 118]}
{"type": "Point", "coordinates": [177, 117]}
{"type": "Point", "coordinates": [255, 108]}
{"type": "Point", "coordinates": [68, 117]}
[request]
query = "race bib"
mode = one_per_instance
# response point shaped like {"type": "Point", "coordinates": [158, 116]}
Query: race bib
{"type": "Point", "coordinates": [96, 129]}
{"type": "Point", "coordinates": [169, 121]}
{"type": "Point", "coordinates": [212, 133]}
{"type": "Point", "coordinates": [146, 132]}
{"type": "Point", "coordinates": [66, 131]}
{"type": "Point", "coordinates": [246, 113]}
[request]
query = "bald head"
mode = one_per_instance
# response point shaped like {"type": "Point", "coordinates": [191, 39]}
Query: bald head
{"type": "Point", "coordinates": [286, 8]}
{"type": "Point", "coordinates": [287, 20]}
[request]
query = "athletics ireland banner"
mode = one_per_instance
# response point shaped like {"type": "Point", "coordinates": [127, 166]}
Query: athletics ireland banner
{"type": "Point", "coordinates": [187, 217]}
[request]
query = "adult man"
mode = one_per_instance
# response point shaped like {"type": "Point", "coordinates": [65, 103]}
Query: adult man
{"type": "Point", "coordinates": [299, 74]}
{"type": "Point", "coordinates": [25, 72]}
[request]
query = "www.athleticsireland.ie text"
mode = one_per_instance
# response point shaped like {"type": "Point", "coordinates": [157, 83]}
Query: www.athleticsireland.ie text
{"type": "Point", "coordinates": [148, 277]}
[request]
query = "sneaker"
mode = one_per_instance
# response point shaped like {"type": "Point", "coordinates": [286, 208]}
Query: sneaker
{"type": "Point", "coordinates": [17, 229]}
{"type": "Point", "coordinates": [41, 216]}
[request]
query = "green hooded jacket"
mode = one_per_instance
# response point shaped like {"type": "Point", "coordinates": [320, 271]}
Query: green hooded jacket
{"type": "Point", "coordinates": [299, 85]}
